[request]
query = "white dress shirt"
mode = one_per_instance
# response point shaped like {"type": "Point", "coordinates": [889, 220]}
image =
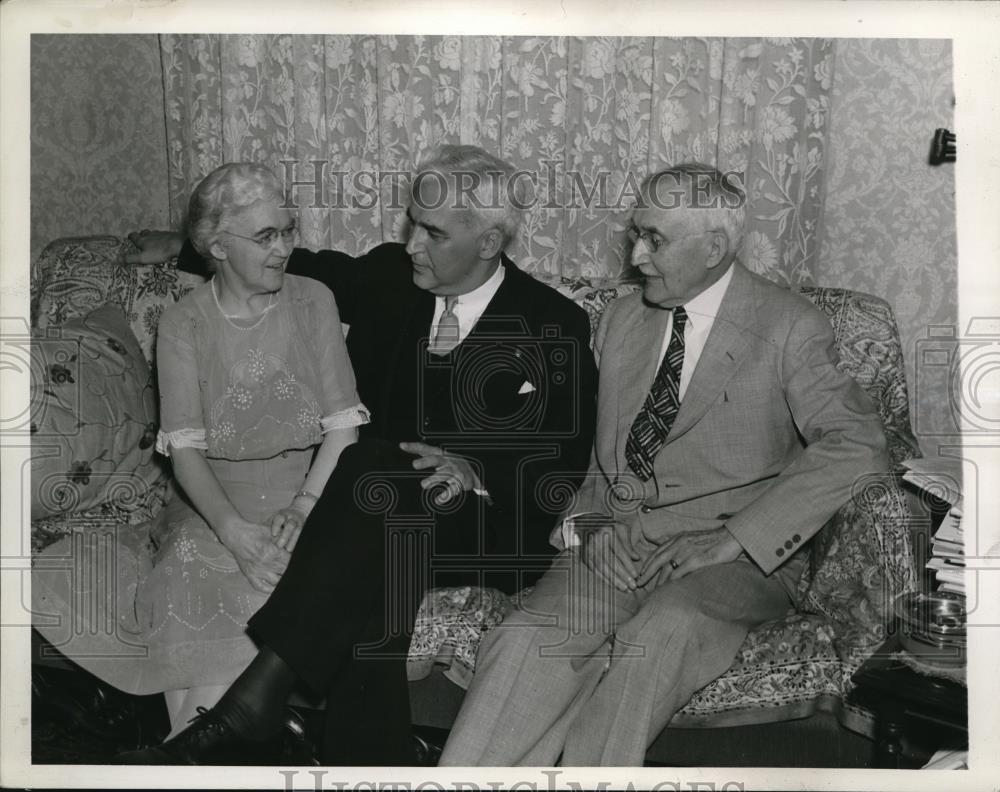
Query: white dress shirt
{"type": "Point", "coordinates": [469, 307]}
{"type": "Point", "coordinates": [701, 312]}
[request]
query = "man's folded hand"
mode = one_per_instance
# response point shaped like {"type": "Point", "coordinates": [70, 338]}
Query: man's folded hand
{"type": "Point", "coordinates": [687, 552]}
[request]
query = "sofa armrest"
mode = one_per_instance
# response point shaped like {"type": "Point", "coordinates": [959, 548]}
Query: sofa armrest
{"type": "Point", "coordinates": [860, 562]}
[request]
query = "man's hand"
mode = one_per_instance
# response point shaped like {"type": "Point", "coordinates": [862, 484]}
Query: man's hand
{"type": "Point", "coordinates": [154, 246]}
{"type": "Point", "coordinates": [686, 552]}
{"type": "Point", "coordinates": [607, 550]}
{"type": "Point", "coordinates": [454, 472]}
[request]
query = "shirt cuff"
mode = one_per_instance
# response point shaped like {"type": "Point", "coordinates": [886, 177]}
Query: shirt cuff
{"type": "Point", "coordinates": [345, 419]}
{"type": "Point", "coordinates": [567, 531]}
{"type": "Point", "coordinates": [181, 438]}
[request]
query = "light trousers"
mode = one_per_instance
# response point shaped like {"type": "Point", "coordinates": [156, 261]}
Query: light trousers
{"type": "Point", "coordinates": [591, 674]}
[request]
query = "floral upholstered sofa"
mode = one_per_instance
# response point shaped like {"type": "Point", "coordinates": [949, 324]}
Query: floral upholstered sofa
{"type": "Point", "coordinates": [788, 669]}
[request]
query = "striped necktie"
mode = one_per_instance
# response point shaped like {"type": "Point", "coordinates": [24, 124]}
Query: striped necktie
{"type": "Point", "coordinates": [652, 425]}
{"type": "Point", "coordinates": [446, 338]}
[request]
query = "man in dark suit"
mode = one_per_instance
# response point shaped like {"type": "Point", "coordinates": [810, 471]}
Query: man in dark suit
{"type": "Point", "coordinates": [481, 386]}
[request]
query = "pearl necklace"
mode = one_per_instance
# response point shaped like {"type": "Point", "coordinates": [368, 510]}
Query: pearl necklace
{"type": "Point", "coordinates": [229, 317]}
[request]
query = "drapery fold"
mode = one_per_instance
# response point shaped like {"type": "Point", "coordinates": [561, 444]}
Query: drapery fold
{"type": "Point", "coordinates": [589, 117]}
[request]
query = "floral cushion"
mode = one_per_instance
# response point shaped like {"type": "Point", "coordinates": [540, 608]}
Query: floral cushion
{"type": "Point", "coordinates": [73, 276]}
{"type": "Point", "coordinates": [449, 624]}
{"type": "Point", "coordinates": [93, 421]}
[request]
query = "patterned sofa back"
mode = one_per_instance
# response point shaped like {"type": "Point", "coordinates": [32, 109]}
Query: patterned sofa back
{"type": "Point", "coordinates": [73, 276]}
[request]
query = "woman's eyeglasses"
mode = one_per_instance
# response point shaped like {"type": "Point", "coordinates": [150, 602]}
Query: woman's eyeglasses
{"type": "Point", "coordinates": [266, 239]}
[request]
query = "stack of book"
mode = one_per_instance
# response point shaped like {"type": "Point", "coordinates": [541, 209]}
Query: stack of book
{"type": "Point", "coordinates": [942, 478]}
{"type": "Point", "coordinates": [947, 554]}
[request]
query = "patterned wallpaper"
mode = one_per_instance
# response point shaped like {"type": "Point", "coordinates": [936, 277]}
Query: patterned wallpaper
{"type": "Point", "coordinates": [98, 154]}
{"type": "Point", "coordinates": [889, 216]}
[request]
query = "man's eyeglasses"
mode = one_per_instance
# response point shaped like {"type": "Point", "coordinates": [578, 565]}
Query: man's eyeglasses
{"type": "Point", "coordinates": [652, 240]}
{"type": "Point", "coordinates": [266, 239]}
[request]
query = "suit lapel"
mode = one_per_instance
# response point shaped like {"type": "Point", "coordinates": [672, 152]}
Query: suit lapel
{"type": "Point", "coordinates": [641, 345]}
{"type": "Point", "coordinates": [723, 353]}
{"type": "Point", "coordinates": [414, 324]}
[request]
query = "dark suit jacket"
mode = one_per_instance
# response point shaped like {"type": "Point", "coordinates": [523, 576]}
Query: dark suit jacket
{"type": "Point", "coordinates": [517, 396]}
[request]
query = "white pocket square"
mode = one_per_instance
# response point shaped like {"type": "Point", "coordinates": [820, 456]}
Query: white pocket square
{"type": "Point", "coordinates": [527, 387]}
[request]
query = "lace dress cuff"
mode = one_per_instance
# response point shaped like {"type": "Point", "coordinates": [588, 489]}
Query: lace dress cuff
{"type": "Point", "coordinates": [345, 419]}
{"type": "Point", "coordinates": [182, 438]}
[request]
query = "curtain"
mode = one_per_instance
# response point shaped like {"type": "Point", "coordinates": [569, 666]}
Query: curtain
{"type": "Point", "coordinates": [588, 116]}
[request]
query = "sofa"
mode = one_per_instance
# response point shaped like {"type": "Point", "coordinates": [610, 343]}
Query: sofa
{"type": "Point", "coordinates": [791, 677]}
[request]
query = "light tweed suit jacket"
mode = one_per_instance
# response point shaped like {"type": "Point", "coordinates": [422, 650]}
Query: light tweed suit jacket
{"type": "Point", "coordinates": [769, 439]}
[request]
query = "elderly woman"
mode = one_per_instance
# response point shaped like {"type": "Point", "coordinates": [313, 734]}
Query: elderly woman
{"type": "Point", "coordinates": [258, 400]}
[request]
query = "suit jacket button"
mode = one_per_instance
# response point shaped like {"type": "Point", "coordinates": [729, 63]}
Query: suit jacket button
{"type": "Point", "coordinates": [789, 545]}
{"type": "Point", "coordinates": [796, 538]}
{"type": "Point", "coordinates": [779, 552]}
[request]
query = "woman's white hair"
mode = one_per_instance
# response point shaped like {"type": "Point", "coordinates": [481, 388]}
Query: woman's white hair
{"type": "Point", "coordinates": [488, 187]}
{"type": "Point", "coordinates": [226, 191]}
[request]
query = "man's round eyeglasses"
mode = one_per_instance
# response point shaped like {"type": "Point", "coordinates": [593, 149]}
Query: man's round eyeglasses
{"type": "Point", "coordinates": [266, 239]}
{"type": "Point", "coordinates": [652, 240]}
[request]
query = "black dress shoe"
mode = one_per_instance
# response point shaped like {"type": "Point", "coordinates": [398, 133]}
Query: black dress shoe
{"type": "Point", "coordinates": [427, 751]}
{"type": "Point", "coordinates": [209, 740]}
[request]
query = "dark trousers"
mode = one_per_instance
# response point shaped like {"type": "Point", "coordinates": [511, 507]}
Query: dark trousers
{"type": "Point", "coordinates": [342, 614]}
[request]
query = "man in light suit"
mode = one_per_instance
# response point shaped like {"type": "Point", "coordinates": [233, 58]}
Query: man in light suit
{"type": "Point", "coordinates": [726, 438]}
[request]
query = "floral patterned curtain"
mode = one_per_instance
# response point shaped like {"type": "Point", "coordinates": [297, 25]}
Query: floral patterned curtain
{"type": "Point", "coordinates": [589, 116]}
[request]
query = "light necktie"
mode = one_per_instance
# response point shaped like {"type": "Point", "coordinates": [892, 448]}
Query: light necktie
{"type": "Point", "coordinates": [446, 338]}
{"type": "Point", "coordinates": [652, 425]}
